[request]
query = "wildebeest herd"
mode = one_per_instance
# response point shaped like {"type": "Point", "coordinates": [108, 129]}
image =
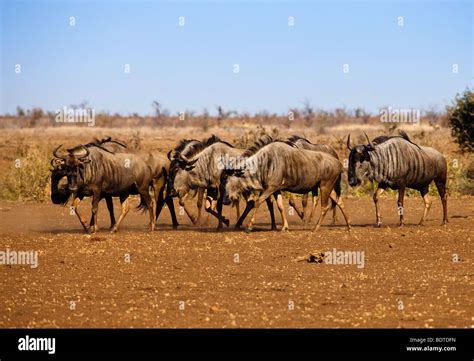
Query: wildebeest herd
{"type": "Point", "coordinates": [220, 174]}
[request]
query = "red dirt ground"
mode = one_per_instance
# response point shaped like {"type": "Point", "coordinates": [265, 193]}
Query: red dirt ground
{"type": "Point", "coordinates": [411, 267]}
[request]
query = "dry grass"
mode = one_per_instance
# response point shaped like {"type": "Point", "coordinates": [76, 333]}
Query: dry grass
{"type": "Point", "coordinates": [25, 156]}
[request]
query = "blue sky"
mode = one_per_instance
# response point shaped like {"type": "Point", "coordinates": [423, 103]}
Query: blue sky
{"type": "Point", "coordinates": [191, 67]}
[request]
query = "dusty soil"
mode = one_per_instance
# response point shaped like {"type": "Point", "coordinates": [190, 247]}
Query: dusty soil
{"type": "Point", "coordinates": [190, 278]}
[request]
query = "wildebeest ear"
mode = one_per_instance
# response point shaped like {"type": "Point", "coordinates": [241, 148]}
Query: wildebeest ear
{"type": "Point", "coordinates": [86, 160]}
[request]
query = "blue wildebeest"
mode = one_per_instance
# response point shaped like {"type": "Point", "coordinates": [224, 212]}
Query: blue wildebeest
{"type": "Point", "coordinates": [398, 163]}
{"type": "Point", "coordinates": [282, 167]}
{"type": "Point", "coordinates": [158, 163]}
{"type": "Point", "coordinates": [60, 193]}
{"type": "Point", "coordinates": [303, 143]}
{"type": "Point", "coordinates": [206, 170]}
{"type": "Point", "coordinates": [179, 157]}
{"type": "Point", "coordinates": [97, 172]}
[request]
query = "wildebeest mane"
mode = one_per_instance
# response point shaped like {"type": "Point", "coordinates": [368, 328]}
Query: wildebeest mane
{"type": "Point", "coordinates": [259, 144]}
{"type": "Point", "coordinates": [402, 134]}
{"type": "Point", "coordinates": [215, 139]}
{"type": "Point", "coordinates": [197, 146]}
{"type": "Point", "coordinates": [183, 143]}
{"type": "Point", "coordinates": [98, 143]}
{"type": "Point", "coordinates": [294, 139]}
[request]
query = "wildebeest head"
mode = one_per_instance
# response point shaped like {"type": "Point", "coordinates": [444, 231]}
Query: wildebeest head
{"type": "Point", "coordinates": [231, 185]}
{"type": "Point", "coordinates": [177, 179]}
{"type": "Point", "coordinates": [359, 159]}
{"type": "Point", "coordinates": [73, 164]}
{"type": "Point", "coordinates": [59, 190]}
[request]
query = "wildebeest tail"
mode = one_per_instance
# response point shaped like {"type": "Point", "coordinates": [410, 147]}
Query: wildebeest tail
{"type": "Point", "coordinates": [142, 206]}
{"type": "Point", "coordinates": [337, 189]}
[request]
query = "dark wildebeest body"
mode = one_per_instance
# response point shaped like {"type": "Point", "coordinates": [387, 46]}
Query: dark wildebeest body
{"type": "Point", "coordinates": [205, 169]}
{"type": "Point", "coordinates": [398, 163]}
{"type": "Point", "coordinates": [61, 194]}
{"type": "Point", "coordinates": [303, 143]}
{"type": "Point", "coordinates": [179, 156]}
{"type": "Point", "coordinates": [94, 172]}
{"type": "Point", "coordinates": [282, 167]}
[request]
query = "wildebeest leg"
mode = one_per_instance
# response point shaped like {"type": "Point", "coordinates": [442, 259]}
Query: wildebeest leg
{"type": "Point", "coordinates": [427, 200]}
{"type": "Point", "coordinates": [124, 203]}
{"type": "Point", "coordinates": [272, 213]}
{"type": "Point", "coordinates": [292, 202]}
{"type": "Point", "coordinates": [281, 208]}
{"type": "Point", "coordinates": [75, 204]}
{"type": "Point", "coordinates": [219, 212]}
{"type": "Point", "coordinates": [401, 196]}
{"type": "Point", "coordinates": [159, 187]}
{"type": "Point", "coordinates": [160, 202]}
{"type": "Point", "coordinates": [150, 203]}
{"type": "Point", "coordinates": [377, 193]}
{"type": "Point", "coordinates": [326, 188]}
{"type": "Point", "coordinates": [170, 203]}
{"type": "Point", "coordinates": [340, 204]}
{"type": "Point", "coordinates": [248, 208]}
{"type": "Point", "coordinates": [304, 203]}
{"type": "Point", "coordinates": [441, 186]}
{"type": "Point", "coordinates": [110, 207]}
{"type": "Point", "coordinates": [267, 193]}
{"type": "Point", "coordinates": [315, 203]}
{"type": "Point", "coordinates": [188, 212]}
{"type": "Point", "coordinates": [237, 209]}
{"type": "Point", "coordinates": [200, 199]}
{"type": "Point", "coordinates": [213, 205]}
{"type": "Point", "coordinates": [95, 210]}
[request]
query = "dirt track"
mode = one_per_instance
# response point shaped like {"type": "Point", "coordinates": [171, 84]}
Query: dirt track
{"type": "Point", "coordinates": [411, 267]}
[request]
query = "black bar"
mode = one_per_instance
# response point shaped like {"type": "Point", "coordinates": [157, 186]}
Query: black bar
{"type": "Point", "coordinates": [317, 341]}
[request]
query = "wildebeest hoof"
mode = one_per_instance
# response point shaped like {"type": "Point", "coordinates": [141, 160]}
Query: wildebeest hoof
{"type": "Point", "coordinates": [248, 229]}
{"type": "Point", "coordinates": [378, 224]}
{"type": "Point", "coordinates": [285, 229]}
{"type": "Point", "coordinates": [114, 230]}
{"type": "Point", "coordinates": [226, 222]}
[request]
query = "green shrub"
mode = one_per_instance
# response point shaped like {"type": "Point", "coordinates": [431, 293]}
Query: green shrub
{"type": "Point", "coordinates": [461, 120]}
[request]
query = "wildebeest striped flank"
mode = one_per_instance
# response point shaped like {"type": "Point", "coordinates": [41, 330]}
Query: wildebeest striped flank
{"type": "Point", "coordinates": [281, 167]}
{"type": "Point", "coordinates": [398, 163]}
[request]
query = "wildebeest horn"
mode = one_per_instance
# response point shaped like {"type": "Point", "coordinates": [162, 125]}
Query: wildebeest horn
{"type": "Point", "coordinates": [349, 142]}
{"type": "Point", "coordinates": [55, 153]}
{"type": "Point", "coordinates": [169, 154]}
{"type": "Point", "coordinates": [85, 155]}
{"type": "Point", "coordinates": [190, 164]}
{"type": "Point", "coordinates": [368, 141]}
